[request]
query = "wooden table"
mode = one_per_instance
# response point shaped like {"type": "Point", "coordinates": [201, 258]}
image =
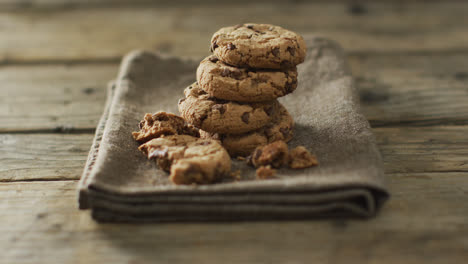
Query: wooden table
{"type": "Point", "coordinates": [410, 61]}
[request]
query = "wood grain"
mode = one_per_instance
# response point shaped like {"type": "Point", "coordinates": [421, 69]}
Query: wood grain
{"type": "Point", "coordinates": [53, 97]}
{"type": "Point", "coordinates": [43, 157]}
{"type": "Point", "coordinates": [185, 30]}
{"type": "Point", "coordinates": [424, 149]}
{"type": "Point", "coordinates": [395, 90]}
{"type": "Point", "coordinates": [40, 4]}
{"type": "Point", "coordinates": [27, 157]}
{"type": "Point", "coordinates": [413, 90]}
{"type": "Point", "coordinates": [409, 59]}
{"type": "Point", "coordinates": [41, 224]}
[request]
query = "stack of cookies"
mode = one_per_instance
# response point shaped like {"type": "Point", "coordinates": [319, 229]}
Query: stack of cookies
{"type": "Point", "coordinates": [235, 97]}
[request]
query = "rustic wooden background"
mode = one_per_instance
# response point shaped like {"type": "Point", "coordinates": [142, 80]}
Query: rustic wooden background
{"type": "Point", "coordinates": [409, 59]}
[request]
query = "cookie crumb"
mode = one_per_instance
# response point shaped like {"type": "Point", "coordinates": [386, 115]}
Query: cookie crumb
{"type": "Point", "coordinates": [274, 154]}
{"type": "Point", "coordinates": [300, 158]}
{"type": "Point", "coordinates": [240, 158]}
{"type": "Point", "coordinates": [236, 175]}
{"type": "Point", "coordinates": [265, 172]}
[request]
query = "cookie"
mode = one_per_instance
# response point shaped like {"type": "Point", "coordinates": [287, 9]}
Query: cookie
{"type": "Point", "coordinates": [274, 154]}
{"type": "Point", "coordinates": [265, 173]}
{"type": "Point", "coordinates": [244, 85]}
{"type": "Point", "coordinates": [280, 128]}
{"type": "Point", "coordinates": [189, 160]}
{"type": "Point", "coordinates": [162, 123]}
{"type": "Point", "coordinates": [220, 116]}
{"type": "Point", "coordinates": [300, 158]}
{"type": "Point", "coordinates": [258, 46]}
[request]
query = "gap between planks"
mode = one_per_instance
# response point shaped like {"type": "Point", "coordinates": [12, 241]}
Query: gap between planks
{"type": "Point", "coordinates": [7, 62]}
{"type": "Point", "coordinates": [384, 27]}
{"type": "Point", "coordinates": [356, 7]}
{"type": "Point", "coordinates": [49, 157]}
{"type": "Point", "coordinates": [395, 91]}
{"type": "Point", "coordinates": [425, 221]}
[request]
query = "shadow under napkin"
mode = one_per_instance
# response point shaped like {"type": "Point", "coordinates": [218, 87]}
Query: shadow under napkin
{"type": "Point", "coordinates": [120, 184]}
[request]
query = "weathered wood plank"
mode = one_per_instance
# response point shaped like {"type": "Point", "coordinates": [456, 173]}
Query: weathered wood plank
{"type": "Point", "coordinates": [37, 4]}
{"type": "Point", "coordinates": [395, 90]}
{"type": "Point", "coordinates": [41, 224]}
{"type": "Point", "coordinates": [53, 97]}
{"type": "Point", "coordinates": [43, 156]}
{"type": "Point", "coordinates": [424, 149]}
{"type": "Point", "coordinates": [110, 32]}
{"type": "Point", "coordinates": [58, 156]}
{"type": "Point", "coordinates": [415, 90]}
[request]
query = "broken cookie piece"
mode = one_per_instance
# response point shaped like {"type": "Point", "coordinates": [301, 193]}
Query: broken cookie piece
{"type": "Point", "coordinates": [300, 158]}
{"type": "Point", "coordinates": [162, 123]}
{"type": "Point", "coordinates": [274, 154]}
{"type": "Point", "coordinates": [189, 160]}
{"type": "Point", "coordinates": [265, 172]}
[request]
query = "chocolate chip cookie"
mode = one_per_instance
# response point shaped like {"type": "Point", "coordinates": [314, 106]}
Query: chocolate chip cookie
{"type": "Point", "coordinates": [189, 160]}
{"type": "Point", "coordinates": [279, 128]}
{"type": "Point", "coordinates": [258, 46]}
{"type": "Point", "coordinates": [244, 85]}
{"type": "Point", "coordinates": [220, 116]}
{"type": "Point", "coordinates": [300, 158]}
{"type": "Point", "coordinates": [162, 123]}
{"type": "Point", "coordinates": [274, 154]}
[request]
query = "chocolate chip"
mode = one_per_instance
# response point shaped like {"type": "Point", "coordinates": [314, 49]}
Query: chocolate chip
{"type": "Point", "coordinates": [202, 118]}
{"type": "Point", "coordinates": [275, 51]}
{"type": "Point", "coordinates": [190, 87]}
{"type": "Point", "coordinates": [290, 86]}
{"type": "Point", "coordinates": [214, 45]}
{"type": "Point", "coordinates": [231, 46]}
{"type": "Point", "coordinates": [213, 59]}
{"type": "Point", "coordinates": [181, 100]}
{"type": "Point", "coordinates": [268, 132]}
{"type": "Point", "coordinates": [245, 117]}
{"type": "Point", "coordinates": [236, 74]}
{"type": "Point", "coordinates": [286, 64]}
{"type": "Point", "coordinates": [250, 26]}
{"type": "Point", "coordinates": [141, 124]}
{"type": "Point", "coordinates": [291, 50]}
{"type": "Point", "coordinates": [149, 122]}
{"type": "Point", "coordinates": [160, 117]}
{"type": "Point", "coordinates": [221, 108]}
{"type": "Point", "coordinates": [284, 131]}
{"type": "Point", "coordinates": [201, 92]}
{"type": "Point", "coordinates": [269, 110]}
{"type": "Point", "coordinates": [257, 153]}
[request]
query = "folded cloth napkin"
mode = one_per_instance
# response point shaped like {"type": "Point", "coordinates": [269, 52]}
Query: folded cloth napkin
{"type": "Point", "coordinates": [120, 184]}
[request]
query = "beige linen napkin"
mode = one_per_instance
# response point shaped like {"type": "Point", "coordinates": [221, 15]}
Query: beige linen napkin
{"type": "Point", "coordinates": [120, 184]}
